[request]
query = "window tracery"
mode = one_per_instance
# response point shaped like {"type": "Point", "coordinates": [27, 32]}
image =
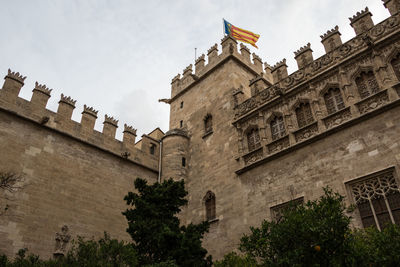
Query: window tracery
{"type": "Point", "coordinates": [378, 200]}
{"type": "Point", "coordinates": [304, 115]}
{"type": "Point", "coordinates": [253, 139]}
{"type": "Point", "coordinates": [277, 128]}
{"type": "Point", "coordinates": [367, 84]}
{"type": "Point", "coordinates": [277, 211]}
{"type": "Point", "coordinates": [333, 100]}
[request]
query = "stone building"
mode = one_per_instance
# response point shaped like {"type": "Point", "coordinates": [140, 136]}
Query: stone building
{"type": "Point", "coordinates": [246, 137]}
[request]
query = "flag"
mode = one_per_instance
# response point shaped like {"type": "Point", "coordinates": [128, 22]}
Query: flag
{"type": "Point", "coordinates": [241, 34]}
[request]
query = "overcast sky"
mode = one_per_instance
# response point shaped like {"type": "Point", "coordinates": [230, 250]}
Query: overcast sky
{"type": "Point", "coordinates": [120, 56]}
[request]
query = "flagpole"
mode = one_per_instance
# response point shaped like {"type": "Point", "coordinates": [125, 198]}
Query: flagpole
{"type": "Point", "coordinates": [223, 27]}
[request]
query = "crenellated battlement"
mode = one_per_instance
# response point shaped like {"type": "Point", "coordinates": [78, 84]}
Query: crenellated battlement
{"type": "Point", "coordinates": [359, 15]}
{"type": "Point", "coordinates": [129, 129]}
{"type": "Point", "coordinates": [367, 36]}
{"type": "Point", "coordinates": [335, 50]}
{"type": "Point", "coordinates": [67, 100]}
{"type": "Point", "coordinates": [42, 88]}
{"type": "Point", "coordinates": [35, 111]}
{"type": "Point", "coordinates": [215, 59]}
{"type": "Point", "coordinates": [330, 32]}
{"type": "Point", "coordinates": [110, 120]}
{"type": "Point", "coordinates": [90, 110]}
{"type": "Point", "coordinates": [15, 76]}
{"type": "Point", "coordinates": [302, 50]}
{"type": "Point", "coordinates": [279, 64]}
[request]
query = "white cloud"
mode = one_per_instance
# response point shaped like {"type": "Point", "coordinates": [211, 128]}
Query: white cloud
{"type": "Point", "coordinates": [120, 56]}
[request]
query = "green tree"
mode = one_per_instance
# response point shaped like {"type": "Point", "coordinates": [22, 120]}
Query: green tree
{"type": "Point", "coordinates": [234, 260]}
{"type": "Point", "coordinates": [314, 234]}
{"type": "Point", "coordinates": [155, 228]}
{"type": "Point", "coordinates": [105, 252]}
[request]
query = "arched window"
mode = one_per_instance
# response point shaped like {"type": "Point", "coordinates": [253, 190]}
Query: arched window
{"type": "Point", "coordinates": [333, 100]}
{"type": "Point", "coordinates": [396, 66]}
{"type": "Point", "coordinates": [367, 84]}
{"type": "Point", "coordinates": [378, 199]}
{"type": "Point", "coordinates": [277, 128]}
{"type": "Point", "coordinates": [208, 123]}
{"type": "Point", "coordinates": [304, 114]}
{"type": "Point", "coordinates": [253, 139]}
{"type": "Point", "coordinates": [209, 201]}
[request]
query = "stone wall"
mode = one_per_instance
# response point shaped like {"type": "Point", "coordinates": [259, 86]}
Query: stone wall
{"type": "Point", "coordinates": [71, 175]}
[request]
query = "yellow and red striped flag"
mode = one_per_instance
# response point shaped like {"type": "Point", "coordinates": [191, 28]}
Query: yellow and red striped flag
{"type": "Point", "coordinates": [241, 34]}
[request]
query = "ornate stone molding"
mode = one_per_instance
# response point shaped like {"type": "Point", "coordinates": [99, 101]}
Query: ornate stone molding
{"type": "Point", "coordinates": [306, 132]}
{"type": "Point", "coordinates": [337, 118]}
{"type": "Point", "coordinates": [373, 102]}
{"type": "Point", "coordinates": [278, 144]}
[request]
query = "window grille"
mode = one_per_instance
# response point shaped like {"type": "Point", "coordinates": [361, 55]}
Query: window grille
{"type": "Point", "coordinates": [277, 128]}
{"type": "Point", "coordinates": [333, 100]}
{"type": "Point", "coordinates": [367, 84]}
{"type": "Point", "coordinates": [304, 114]}
{"type": "Point", "coordinates": [253, 139]}
{"type": "Point", "coordinates": [378, 199]}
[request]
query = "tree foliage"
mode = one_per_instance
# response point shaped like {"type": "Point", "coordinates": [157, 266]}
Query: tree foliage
{"type": "Point", "coordinates": [104, 252]}
{"type": "Point", "coordinates": [317, 233]}
{"type": "Point", "coordinates": [155, 228]}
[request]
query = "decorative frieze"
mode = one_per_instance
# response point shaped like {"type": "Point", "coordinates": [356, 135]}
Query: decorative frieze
{"type": "Point", "coordinates": [278, 144]}
{"type": "Point", "coordinates": [306, 132]}
{"type": "Point", "coordinates": [253, 156]}
{"type": "Point", "coordinates": [373, 102]}
{"type": "Point", "coordinates": [337, 118]}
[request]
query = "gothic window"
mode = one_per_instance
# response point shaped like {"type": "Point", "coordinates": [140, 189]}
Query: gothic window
{"type": "Point", "coordinates": [277, 211]}
{"type": "Point", "coordinates": [396, 66]}
{"type": "Point", "coordinates": [152, 149]}
{"type": "Point", "coordinates": [277, 128]}
{"type": "Point", "coordinates": [181, 124]}
{"type": "Point", "coordinates": [333, 100]}
{"type": "Point", "coordinates": [378, 199]}
{"type": "Point", "coordinates": [208, 123]}
{"type": "Point", "coordinates": [209, 201]}
{"type": "Point", "coordinates": [367, 84]}
{"type": "Point", "coordinates": [304, 114]}
{"type": "Point", "coordinates": [253, 139]}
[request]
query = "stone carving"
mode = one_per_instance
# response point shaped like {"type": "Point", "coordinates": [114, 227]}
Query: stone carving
{"type": "Point", "coordinates": [337, 118]}
{"type": "Point", "coordinates": [373, 102]}
{"type": "Point", "coordinates": [246, 106]}
{"type": "Point", "coordinates": [278, 145]}
{"type": "Point", "coordinates": [381, 185]}
{"type": "Point", "coordinates": [253, 156]}
{"type": "Point", "coordinates": [62, 240]}
{"type": "Point", "coordinates": [306, 132]}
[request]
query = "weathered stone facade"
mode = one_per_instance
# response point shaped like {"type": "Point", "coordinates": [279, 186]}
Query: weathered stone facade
{"type": "Point", "coordinates": [72, 175]}
{"type": "Point", "coordinates": [277, 137]}
{"type": "Point", "coordinates": [247, 138]}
